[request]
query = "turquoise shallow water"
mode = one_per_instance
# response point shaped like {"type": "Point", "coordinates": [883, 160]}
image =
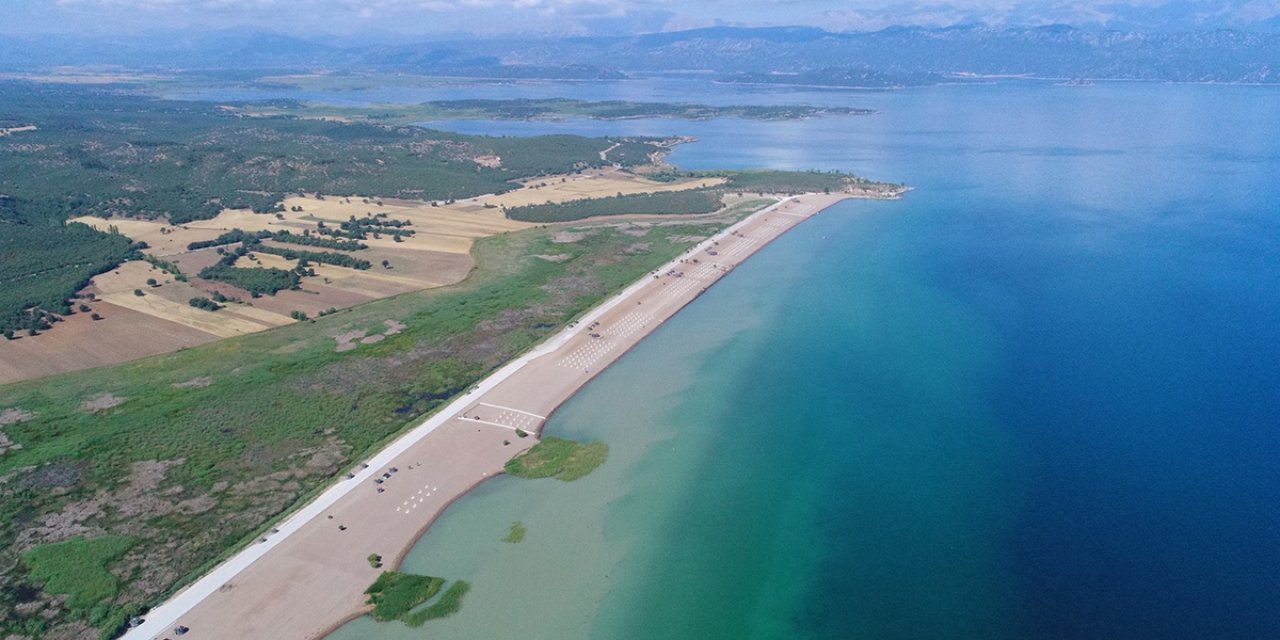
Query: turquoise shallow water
{"type": "Point", "coordinates": [1035, 399]}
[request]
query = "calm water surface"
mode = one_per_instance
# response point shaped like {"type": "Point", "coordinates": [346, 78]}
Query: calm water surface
{"type": "Point", "coordinates": [1037, 398]}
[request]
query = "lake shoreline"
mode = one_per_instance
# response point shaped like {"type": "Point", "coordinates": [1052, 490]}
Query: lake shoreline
{"type": "Point", "coordinates": [309, 575]}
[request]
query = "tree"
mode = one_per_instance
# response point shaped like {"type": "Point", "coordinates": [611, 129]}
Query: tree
{"type": "Point", "coordinates": [297, 315]}
{"type": "Point", "coordinates": [151, 282]}
{"type": "Point", "coordinates": [8, 334]}
{"type": "Point", "coordinates": [386, 264]}
{"type": "Point", "coordinates": [84, 308]}
{"type": "Point", "coordinates": [95, 316]}
{"type": "Point", "coordinates": [138, 292]}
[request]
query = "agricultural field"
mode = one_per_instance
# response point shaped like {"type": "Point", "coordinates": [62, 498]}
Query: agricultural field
{"type": "Point", "coordinates": [77, 151]}
{"type": "Point", "coordinates": [407, 245]}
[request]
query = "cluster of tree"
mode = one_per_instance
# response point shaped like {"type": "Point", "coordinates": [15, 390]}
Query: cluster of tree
{"type": "Point", "coordinates": [363, 233]}
{"type": "Point", "coordinates": [167, 266]}
{"type": "Point", "coordinates": [322, 257]}
{"type": "Point", "coordinates": [257, 281]}
{"type": "Point", "coordinates": [201, 302]}
{"type": "Point", "coordinates": [44, 265]}
{"type": "Point", "coordinates": [231, 237]}
{"type": "Point", "coordinates": [33, 322]}
{"type": "Point", "coordinates": [377, 220]}
{"type": "Point", "coordinates": [254, 237]}
{"type": "Point", "coordinates": [670, 202]}
{"type": "Point", "coordinates": [361, 228]}
{"type": "Point", "coordinates": [307, 239]}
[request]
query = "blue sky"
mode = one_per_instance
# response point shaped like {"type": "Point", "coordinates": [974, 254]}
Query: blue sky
{"type": "Point", "coordinates": [437, 17]}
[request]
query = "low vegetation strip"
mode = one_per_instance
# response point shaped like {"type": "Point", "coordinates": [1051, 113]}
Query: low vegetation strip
{"type": "Point", "coordinates": [318, 241]}
{"type": "Point", "coordinates": [450, 602]}
{"type": "Point", "coordinates": [791, 182]}
{"type": "Point", "coordinates": [558, 458]}
{"type": "Point", "coordinates": [555, 109]}
{"type": "Point", "coordinates": [667, 202]}
{"type": "Point", "coordinates": [231, 237]}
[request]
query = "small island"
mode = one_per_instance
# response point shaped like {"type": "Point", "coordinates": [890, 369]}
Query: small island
{"type": "Point", "coordinates": [398, 596]}
{"type": "Point", "coordinates": [558, 458]}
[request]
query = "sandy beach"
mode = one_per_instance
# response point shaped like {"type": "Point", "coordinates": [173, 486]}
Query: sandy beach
{"type": "Point", "coordinates": [308, 575]}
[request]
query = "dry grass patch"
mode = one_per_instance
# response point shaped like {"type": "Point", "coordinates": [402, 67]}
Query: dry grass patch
{"type": "Point", "coordinates": [101, 402]}
{"type": "Point", "coordinates": [194, 383]}
{"type": "Point", "coordinates": [14, 415]}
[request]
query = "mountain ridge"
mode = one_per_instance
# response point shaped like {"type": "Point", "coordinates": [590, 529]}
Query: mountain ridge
{"type": "Point", "coordinates": [1050, 51]}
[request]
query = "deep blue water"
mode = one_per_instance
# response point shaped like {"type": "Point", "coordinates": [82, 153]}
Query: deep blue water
{"type": "Point", "coordinates": [1037, 398]}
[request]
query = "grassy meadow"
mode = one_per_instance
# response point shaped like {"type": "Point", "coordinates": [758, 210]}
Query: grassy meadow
{"type": "Point", "coordinates": [190, 454]}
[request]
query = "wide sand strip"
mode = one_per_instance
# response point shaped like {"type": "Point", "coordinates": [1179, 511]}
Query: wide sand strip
{"type": "Point", "coordinates": [308, 576]}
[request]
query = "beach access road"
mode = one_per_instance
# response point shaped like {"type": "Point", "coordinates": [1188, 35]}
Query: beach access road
{"type": "Point", "coordinates": [308, 576]}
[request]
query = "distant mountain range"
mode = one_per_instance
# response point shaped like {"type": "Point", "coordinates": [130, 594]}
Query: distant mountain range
{"type": "Point", "coordinates": [898, 56]}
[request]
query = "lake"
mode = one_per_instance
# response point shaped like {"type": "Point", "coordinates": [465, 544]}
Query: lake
{"type": "Point", "coordinates": [1039, 397]}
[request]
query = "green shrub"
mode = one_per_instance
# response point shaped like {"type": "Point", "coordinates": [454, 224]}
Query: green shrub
{"type": "Point", "coordinates": [78, 567]}
{"type": "Point", "coordinates": [395, 594]}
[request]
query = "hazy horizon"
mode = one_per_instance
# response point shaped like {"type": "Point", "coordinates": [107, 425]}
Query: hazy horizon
{"type": "Point", "coordinates": [407, 19]}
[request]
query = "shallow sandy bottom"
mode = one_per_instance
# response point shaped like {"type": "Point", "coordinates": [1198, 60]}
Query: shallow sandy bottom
{"type": "Point", "coordinates": [314, 579]}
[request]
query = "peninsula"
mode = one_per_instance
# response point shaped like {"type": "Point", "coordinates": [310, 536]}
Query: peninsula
{"type": "Point", "coordinates": [543, 109]}
{"type": "Point", "coordinates": [249, 306]}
